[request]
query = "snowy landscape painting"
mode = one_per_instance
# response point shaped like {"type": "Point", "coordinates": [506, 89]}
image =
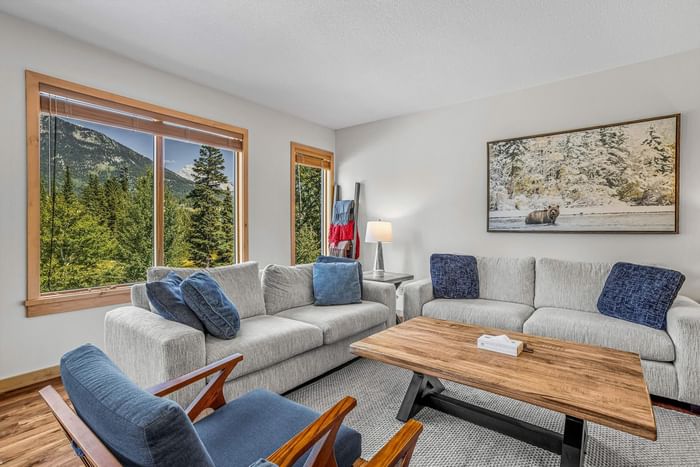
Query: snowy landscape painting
{"type": "Point", "coordinates": [613, 178]}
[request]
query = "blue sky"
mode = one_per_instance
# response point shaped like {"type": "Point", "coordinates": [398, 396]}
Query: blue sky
{"type": "Point", "coordinates": [178, 154]}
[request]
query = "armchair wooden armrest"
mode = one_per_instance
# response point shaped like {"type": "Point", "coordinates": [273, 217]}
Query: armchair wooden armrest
{"type": "Point", "coordinates": [94, 453]}
{"type": "Point", "coordinates": [399, 449]}
{"type": "Point", "coordinates": [318, 436]}
{"type": "Point", "coordinates": [212, 396]}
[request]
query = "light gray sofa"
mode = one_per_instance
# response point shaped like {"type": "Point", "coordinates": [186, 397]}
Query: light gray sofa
{"type": "Point", "coordinates": [285, 340]}
{"type": "Point", "coordinates": [554, 298]}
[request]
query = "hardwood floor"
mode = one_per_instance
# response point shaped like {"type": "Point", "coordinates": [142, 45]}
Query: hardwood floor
{"type": "Point", "coordinates": [30, 436]}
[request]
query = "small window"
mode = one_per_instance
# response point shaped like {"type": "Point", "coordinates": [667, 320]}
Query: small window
{"type": "Point", "coordinates": [311, 199]}
{"type": "Point", "coordinates": [116, 186]}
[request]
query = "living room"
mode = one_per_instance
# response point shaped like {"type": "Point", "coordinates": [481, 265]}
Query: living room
{"type": "Point", "coordinates": [520, 167]}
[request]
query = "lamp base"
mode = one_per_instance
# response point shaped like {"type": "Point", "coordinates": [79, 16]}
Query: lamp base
{"type": "Point", "coordinates": [379, 261]}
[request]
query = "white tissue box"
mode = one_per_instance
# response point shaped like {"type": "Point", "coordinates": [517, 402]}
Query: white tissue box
{"type": "Point", "coordinates": [501, 344]}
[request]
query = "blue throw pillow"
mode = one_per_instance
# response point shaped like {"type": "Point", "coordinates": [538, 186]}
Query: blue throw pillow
{"type": "Point", "coordinates": [640, 294]}
{"type": "Point", "coordinates": [211, 305]}
{"type": "Point", "coordinates": [136, 426]}
{"type": "Point", "coordinates": [454, 276]}
{"type": "Point", "coordinates": [166, 297]}
{"type": "Point", "coordinates": [340, 259]}
{"type": "Point", "coordinates": [336, 284]}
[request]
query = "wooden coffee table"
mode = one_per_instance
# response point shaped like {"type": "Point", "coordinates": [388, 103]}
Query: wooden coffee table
{"type": "Point", "coordinates": [583, 382]}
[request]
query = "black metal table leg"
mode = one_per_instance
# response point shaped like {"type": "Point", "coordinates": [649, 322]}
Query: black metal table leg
{"type": "Point", "coordinates": [573, 446]}
{"type": "Point", "coordinates": [410, 407]}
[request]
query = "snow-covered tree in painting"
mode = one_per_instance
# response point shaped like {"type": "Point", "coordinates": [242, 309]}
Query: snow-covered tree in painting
{"type": "Point", "coordinates": [614, 178]}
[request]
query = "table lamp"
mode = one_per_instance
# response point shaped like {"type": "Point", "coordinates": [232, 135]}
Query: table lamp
{"type": "Point", "coordinates": [378, 232]}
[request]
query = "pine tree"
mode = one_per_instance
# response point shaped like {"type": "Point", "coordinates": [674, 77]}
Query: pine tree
{"type": "Point", "coordinates": [206, 230]}
{"type": "Point", "coordinates": [135, 231]}
{"type": "Point", "coordinates": [177, 222]}
{"type": "Point", "coordinates": [67, 187]}
{"type": "Point", "coordinates": [226, 250]}
{"type": "Point", "coordinates": [92, 196]}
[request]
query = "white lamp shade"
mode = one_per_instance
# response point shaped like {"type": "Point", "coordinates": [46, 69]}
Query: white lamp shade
{"type": "Point", "coordinates": [378, 231]}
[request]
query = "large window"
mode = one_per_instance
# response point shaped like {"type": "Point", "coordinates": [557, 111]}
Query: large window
{"type": "Point", "coordinates": [116, 186]}
{"type": "Point", "coordinates": [311, 199]}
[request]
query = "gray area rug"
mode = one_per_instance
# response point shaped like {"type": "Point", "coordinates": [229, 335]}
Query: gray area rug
{"type": "Point", "coordinates": [447, 441]}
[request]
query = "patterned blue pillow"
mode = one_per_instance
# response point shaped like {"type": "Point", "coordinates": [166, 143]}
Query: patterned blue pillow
{"type": "Point", "coordinates": [454, 276]}
{"type": "Point", "coordinates": [640, 294]}
{"type": "Point", "coordinates": [336, 284]}
{"type": "Point", "coordinates": [166, 299]}
{"type": "Point", "coordinates": [211, 305]}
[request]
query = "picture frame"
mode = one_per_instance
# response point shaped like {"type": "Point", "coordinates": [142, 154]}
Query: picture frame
{"type": "Point", "coordinates": [614, 178]}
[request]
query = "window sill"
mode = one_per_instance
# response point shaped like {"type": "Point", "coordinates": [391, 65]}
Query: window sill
{"type": "Point", "coordinates": [74, 300]}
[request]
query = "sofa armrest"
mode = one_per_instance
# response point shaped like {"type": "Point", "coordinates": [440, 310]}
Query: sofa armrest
{"type": "Point", "coordinates": [683, 325]}
{"type": "Point", "coordinates": [150, 349]}
{"type": "Point", "coordinates": [381, 293]}
{"type": "Point", "coordinates": [415, 295]}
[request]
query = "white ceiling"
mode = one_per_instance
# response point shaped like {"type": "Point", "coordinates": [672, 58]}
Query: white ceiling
{"type": "Point", "coordinates": [344, 62]}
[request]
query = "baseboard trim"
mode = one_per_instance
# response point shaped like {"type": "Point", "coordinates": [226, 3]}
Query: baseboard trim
{"type": "Point", "coordinates": [27, 379]}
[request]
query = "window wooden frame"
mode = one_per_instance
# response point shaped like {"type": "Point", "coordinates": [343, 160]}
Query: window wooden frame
{"type": "Point", "coordinates": [159, 120]}
{"type": "Point", "coordinates": [321, 159]}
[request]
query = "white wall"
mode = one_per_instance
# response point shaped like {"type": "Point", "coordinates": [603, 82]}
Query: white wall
{"type": "Point", "coordinates": [29, 344]}
{"type": "Point", "coordinates": [427, 172]}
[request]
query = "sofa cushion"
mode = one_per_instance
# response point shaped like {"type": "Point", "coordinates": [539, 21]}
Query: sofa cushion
{"type": "Point", "coordinates": [240, 282]}
{"type": "Point", "coordinates": [601, 330]}
{"type": "Point", "coordinates": [136, 426]}
{"type": "Point", "coordinates": [166, 300]}
{"type": "Point", "coordinates": [480, 312]}
{"type": "Point", "coordinates": [454, 276]}
{"type": "Point", "coordinates": [340, 321]}
{"type": "Point", "coordinates": [640, 294]}
{"type": "Point", "coordinates": [286, 287]}
{"type": "Point", "coordinates": [336, 284]}
{"type": "Point", "coordinates": [256, 424]}
{"type": "Point", "coordinates": [507, 279]}
{"type": "Point", "coordinates": [211, 305]}
{"type": "Point", "coordinates": [263, 341]}
{"type": "Point", "coordinates": [569, 284]}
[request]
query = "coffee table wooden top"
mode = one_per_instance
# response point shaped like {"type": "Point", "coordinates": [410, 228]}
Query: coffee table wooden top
{"type": "Point", "coordinates": [601, 385]}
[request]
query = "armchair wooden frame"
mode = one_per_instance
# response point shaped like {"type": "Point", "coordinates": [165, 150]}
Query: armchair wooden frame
{"type": "Point", "coordinates": [318, 437]}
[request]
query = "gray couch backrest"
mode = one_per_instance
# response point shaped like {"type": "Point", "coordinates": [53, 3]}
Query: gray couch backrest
{"type": "Point", "coordinates": [507, 279]}
{"type": "Point", "coordinates": [240, 282]}
{"type": "Point", "coordinates": [570, 284]}
{"type": "Point", "coordinates": [286, 287]}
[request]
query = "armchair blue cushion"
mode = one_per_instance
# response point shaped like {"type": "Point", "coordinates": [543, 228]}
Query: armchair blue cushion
{"type": "Point", "coordinates": [256, 424]}
{"type": "Point", "coordinates": [139, 428]}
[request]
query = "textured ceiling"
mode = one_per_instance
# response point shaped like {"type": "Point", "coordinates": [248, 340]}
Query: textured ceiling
{"type": "Point", "coordinates": [341, 63]}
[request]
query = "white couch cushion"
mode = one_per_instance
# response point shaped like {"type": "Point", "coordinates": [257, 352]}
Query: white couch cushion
{"type": "Point", "coordinates": [507, 279]}
{"type": "Point", "coordinates": [340, 321]}
{"type": "Point", "coordinates": [263, 341]}
{"type": "Point", "coordinates": [479, 312]}
{"type": "Point", "coordinates": [240, 283]}
{"type": "Point", "coordinates": [286, 287]}
{"type": "Point", "coordinates": [601, 330]}
{"type": "Point", "coordinates": [569, 284]}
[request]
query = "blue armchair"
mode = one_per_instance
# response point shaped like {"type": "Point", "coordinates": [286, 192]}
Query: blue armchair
{"type": "Point", "coordinates": [116, 423]}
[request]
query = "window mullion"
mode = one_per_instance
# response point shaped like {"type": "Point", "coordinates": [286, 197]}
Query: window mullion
{"type": "Point", "coordinates": [158, 203]}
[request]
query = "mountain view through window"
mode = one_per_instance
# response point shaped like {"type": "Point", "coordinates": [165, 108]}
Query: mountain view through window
{"type": "Point", "coordinates": [97, 206]}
